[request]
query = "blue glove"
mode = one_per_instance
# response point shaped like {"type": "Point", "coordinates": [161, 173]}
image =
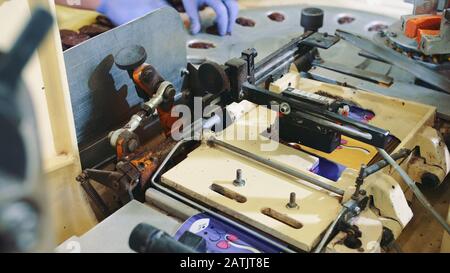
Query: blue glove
{"type": "Point", "coordinates": [123, 11]}
{"type": "Point", "coordinates": [226, 14]}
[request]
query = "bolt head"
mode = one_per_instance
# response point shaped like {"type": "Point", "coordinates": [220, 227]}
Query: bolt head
{"type": "Point", "coordinates": [291, 206]}
{"type": "Point", "coordinates": [239, 182]}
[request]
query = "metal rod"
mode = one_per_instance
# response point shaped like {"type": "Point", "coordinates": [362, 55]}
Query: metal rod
{"type": "Point", "coordinates": [383, 163]}
{"type": "Point", "coordinates": [423, 200]}
{"type": "Point", "coordinates": [340, 128]}
{"type": "Point", "coordinates": [262, 77]}
{"type": "Point", "coordinates": [202, 208]}
{"type": "Point", "coordinates": [329, 231]}
{"type": "Point", "coordinates": [275, 63]}
{"type": "Point", "coordinates": [278, 167]}
{"type": "Point", "coordinates": [93, 194]}
{"type": "Point", "coordinates": [362, 131]}
{"type": "Point", "coordinates": [355, 72]}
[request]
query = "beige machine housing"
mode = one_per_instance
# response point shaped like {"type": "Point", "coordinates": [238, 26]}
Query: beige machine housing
{"type": "Point", "coordinates": [262, 201]}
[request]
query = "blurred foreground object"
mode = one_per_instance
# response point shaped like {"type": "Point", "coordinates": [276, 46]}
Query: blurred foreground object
{"type": "Point", "coordinates": [21, 175]}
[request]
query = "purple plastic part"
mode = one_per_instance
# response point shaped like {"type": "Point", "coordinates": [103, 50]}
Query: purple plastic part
{"type": "Point", "coordinates": [223, 238]}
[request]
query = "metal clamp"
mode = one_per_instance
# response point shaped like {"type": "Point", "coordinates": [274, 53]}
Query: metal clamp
{"type": "Point", "coordinates": [151, 105]}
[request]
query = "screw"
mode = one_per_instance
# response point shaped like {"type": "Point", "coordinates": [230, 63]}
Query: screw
{"type": "Point", "coordinates": [239, 182]}
{"type": "Point", "coordinates": [292, 203]}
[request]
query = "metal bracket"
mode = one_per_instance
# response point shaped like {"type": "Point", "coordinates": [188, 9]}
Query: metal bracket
{"type": "Point", "coordinates": [320, 40]}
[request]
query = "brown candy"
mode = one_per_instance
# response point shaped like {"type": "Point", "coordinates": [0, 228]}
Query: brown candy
{"type": "Point", "coordinates": [201, 45]}
{"type": "Point", "coordinates": [212, 30]}
{"type": "Point", "coordinates": [276, 16]}
{"type": "Point", "coordinates": [345, 20]}
{"type": "Point", "coordinates": [377, 27]}
{"type": "Point", "coordinates": [71, 38]}
{"type": "Point", "coordinates": [245, 22]}
{"type": "Point", "coordinates": [93, 30]}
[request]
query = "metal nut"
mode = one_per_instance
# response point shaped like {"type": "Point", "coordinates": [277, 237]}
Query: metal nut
{"type": "Point", "coordinates": [285, 108]}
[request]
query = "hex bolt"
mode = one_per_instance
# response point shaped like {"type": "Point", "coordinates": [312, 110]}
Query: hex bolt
{"type": "Point", "coordinates": [239, 182]}
{"type": "Point", "coordinates": [292, 202]}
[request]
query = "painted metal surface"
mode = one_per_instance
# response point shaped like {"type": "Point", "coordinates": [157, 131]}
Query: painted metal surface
{"type": "Point", "coordinates": [111, 235]}
{"type": "Point", "coordinates": [102, 95]}
{"type": "Point", "coordinates": [268, 36]}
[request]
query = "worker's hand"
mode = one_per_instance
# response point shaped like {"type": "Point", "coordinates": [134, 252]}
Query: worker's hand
{"type": "Point", "coordinates": [226, 14]}
{"type": "Point", "coordinates": [123, 11]}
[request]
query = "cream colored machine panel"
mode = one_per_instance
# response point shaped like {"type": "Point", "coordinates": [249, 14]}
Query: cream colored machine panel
{"type": "Point", "coordinates": [265, 193]}
{"type": "Point", "coordinates": [208, 174]}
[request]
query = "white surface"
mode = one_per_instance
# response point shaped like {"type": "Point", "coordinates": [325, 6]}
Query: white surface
{"type": "Point", "coordinates": [111, 235]}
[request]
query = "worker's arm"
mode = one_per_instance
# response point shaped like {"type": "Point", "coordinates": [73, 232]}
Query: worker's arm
{"type": "Point", "coordinates": [123, 11]}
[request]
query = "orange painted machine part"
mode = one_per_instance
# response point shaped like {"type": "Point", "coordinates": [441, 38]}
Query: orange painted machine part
{"type": "Point", "coordinates": [137, 79]}
{"type": "Point", "coordinates": [165, 117]}
{"type": "Point", "coordinates": [167, 120]}
{"type": "Point", "coordinates": [146, 166]}
{"type": "Point", "coordinates": [414, 25]}
{"type": "Point", "coordinates": [120, 149]}
{"type": "Point", "coordinates": [426, 32]}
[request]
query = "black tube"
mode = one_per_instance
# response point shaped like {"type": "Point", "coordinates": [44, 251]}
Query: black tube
{"type": "Point", "coordinates": [147, 239]}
